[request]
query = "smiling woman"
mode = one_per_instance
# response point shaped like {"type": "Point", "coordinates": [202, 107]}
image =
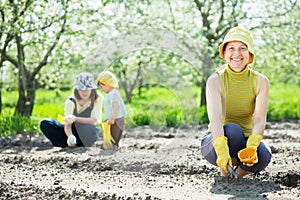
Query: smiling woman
{"type": "Point", "coordinates": [237, 103]}
{"type": "Point", "coordinates": [237, 48]}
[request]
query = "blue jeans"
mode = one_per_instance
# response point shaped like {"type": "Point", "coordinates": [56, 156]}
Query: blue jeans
{"type": "Point", "coordinates": [86, 134]}
{"type": "Point", "coordinates": [236, 142]}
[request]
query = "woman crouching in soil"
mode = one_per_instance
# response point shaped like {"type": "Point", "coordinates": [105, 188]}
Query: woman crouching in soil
{"type": "Point", "coordinates": [83, 110]}
{"type": "Point", "coordinates": [237, 103]}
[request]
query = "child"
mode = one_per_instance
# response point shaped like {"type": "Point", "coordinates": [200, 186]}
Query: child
{"type": "Point", "coordinates": [114, 107]}
{"type": "Point", "coordinates": [83, 109]}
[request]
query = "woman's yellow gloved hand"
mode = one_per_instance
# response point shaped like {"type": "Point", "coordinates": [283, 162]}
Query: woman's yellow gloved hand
{"type": "Point", "coordinates": [107, 138]}
{"type": "Point", "coordinates": [222, 151]}
{"type": "Point", "coordinates": [248, 155]}
{"type": "Point", "coordinates": [60, 118]}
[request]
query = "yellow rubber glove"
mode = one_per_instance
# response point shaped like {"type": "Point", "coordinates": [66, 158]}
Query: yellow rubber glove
{"type": "Point", "coordinates": [222, 151]}
{"type": "Point", "coordinates": [107, 138]}
{"type": "Point", "coordinates": [60, 118]}
{"type": "Point", "coordinates": [248, 156]}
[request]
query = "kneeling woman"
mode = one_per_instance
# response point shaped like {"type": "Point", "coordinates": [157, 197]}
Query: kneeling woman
{"type": "Point", "coordinates": [83, 109]}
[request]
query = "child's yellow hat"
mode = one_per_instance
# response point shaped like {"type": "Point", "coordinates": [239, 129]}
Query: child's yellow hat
{"type": "Point", "coordinates": [238, 34]}
{"type": "Point", "coordinates": [108, 78]}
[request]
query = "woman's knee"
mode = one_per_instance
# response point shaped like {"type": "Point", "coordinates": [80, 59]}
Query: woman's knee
{"type": "Point", "coordinates": [207, 149]}
{"type": "Point", "coordinates": [264, 158]}
{"type": "Point", "coordinates": [264, 155]}
{"type": "Point", "coordinates": [233, 131]}
{"type": "Point", "coordinates": [85, 129]}
{"type": "Point", "coordinates": [44, 124]}
{"type": "Point", "coordinates": [88, 134]}
{"type": "Point", "coordinates": [209, 154]}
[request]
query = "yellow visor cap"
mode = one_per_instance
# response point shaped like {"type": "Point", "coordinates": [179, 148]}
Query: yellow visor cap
{"type": "Point", "coordinates": [108, 78]}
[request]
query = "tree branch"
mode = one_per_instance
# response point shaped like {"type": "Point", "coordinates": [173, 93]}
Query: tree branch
{"type": "Point", "coordinates": [48, 53]}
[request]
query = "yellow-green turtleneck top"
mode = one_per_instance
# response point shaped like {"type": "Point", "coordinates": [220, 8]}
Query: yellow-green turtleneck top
{"type": "Point", "coordinates": [238, 97]}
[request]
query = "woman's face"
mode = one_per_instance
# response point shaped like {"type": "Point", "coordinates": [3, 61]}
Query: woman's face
{"type": "Point", "coordinates": [236, 55]}
{"type": "Point", "coordinates": [85, 94]}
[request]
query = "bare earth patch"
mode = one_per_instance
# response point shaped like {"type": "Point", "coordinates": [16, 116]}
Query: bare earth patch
{"type": "Point", "coordinates": [152, 163]}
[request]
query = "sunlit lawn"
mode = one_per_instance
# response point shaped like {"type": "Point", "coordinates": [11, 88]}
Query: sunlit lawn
{"type": "Point", "coordinates": [155, 101]}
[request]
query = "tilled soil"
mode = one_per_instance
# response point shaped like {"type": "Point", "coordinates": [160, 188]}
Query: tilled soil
{"type": "Point", "coordinates": [152, 163]}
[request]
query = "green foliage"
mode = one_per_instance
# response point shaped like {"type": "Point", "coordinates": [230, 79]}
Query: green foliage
{"type": "Point", "coordinates": [158, 106]}
{"type": "Point", "coordinates": [191, 116]}
{"type": "Point", "coordinates": [11, 125]}
{"type": "Point", "coordinates": [283, 111]}
{"type": "Point", "coordinates": [173, 117]}
{"type": "Point", "coordinates": [278, 53]}
{"type": "Point", "coordinates": [203, 115]}
{"type": "Point", "coordinates": [141, 119]}
{"type": "Point", "coordinates": [166, 106]}
{"type": "Point", "coordinates": [284, 102]}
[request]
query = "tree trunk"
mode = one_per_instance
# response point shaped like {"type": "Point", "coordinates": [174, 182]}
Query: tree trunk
{"type": "Point", "coordinates": [25, 102]}
{"type": "Point", "coordinates": [140, 86]}
{"type": "Point", "coordinates": [206, 72]}
{"type": "Point", "coordinates": [203, 92]}
{"type": "Point", "coordinates": [1, 99]}
{"type": "Point", "coordinates": [26, 95]}
{"type": "Point", "coordinates": [125, 85]}
{"type": "Point", "coordinates": [129, 87]}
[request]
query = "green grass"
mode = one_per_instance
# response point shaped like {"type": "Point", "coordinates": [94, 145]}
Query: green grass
{"type": "Point", "coordinates": [284, 93]}
{"type": "Point", "coordinates": [49, 104]}
{"type": "Point", "coordinates": [157, 106]}
{"type": "Point", "coordinates": [161, 103]}
{"type": "Point", "coordinates": [284, 102]}
{"type": "Point", "coordinates": [11, 125]}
